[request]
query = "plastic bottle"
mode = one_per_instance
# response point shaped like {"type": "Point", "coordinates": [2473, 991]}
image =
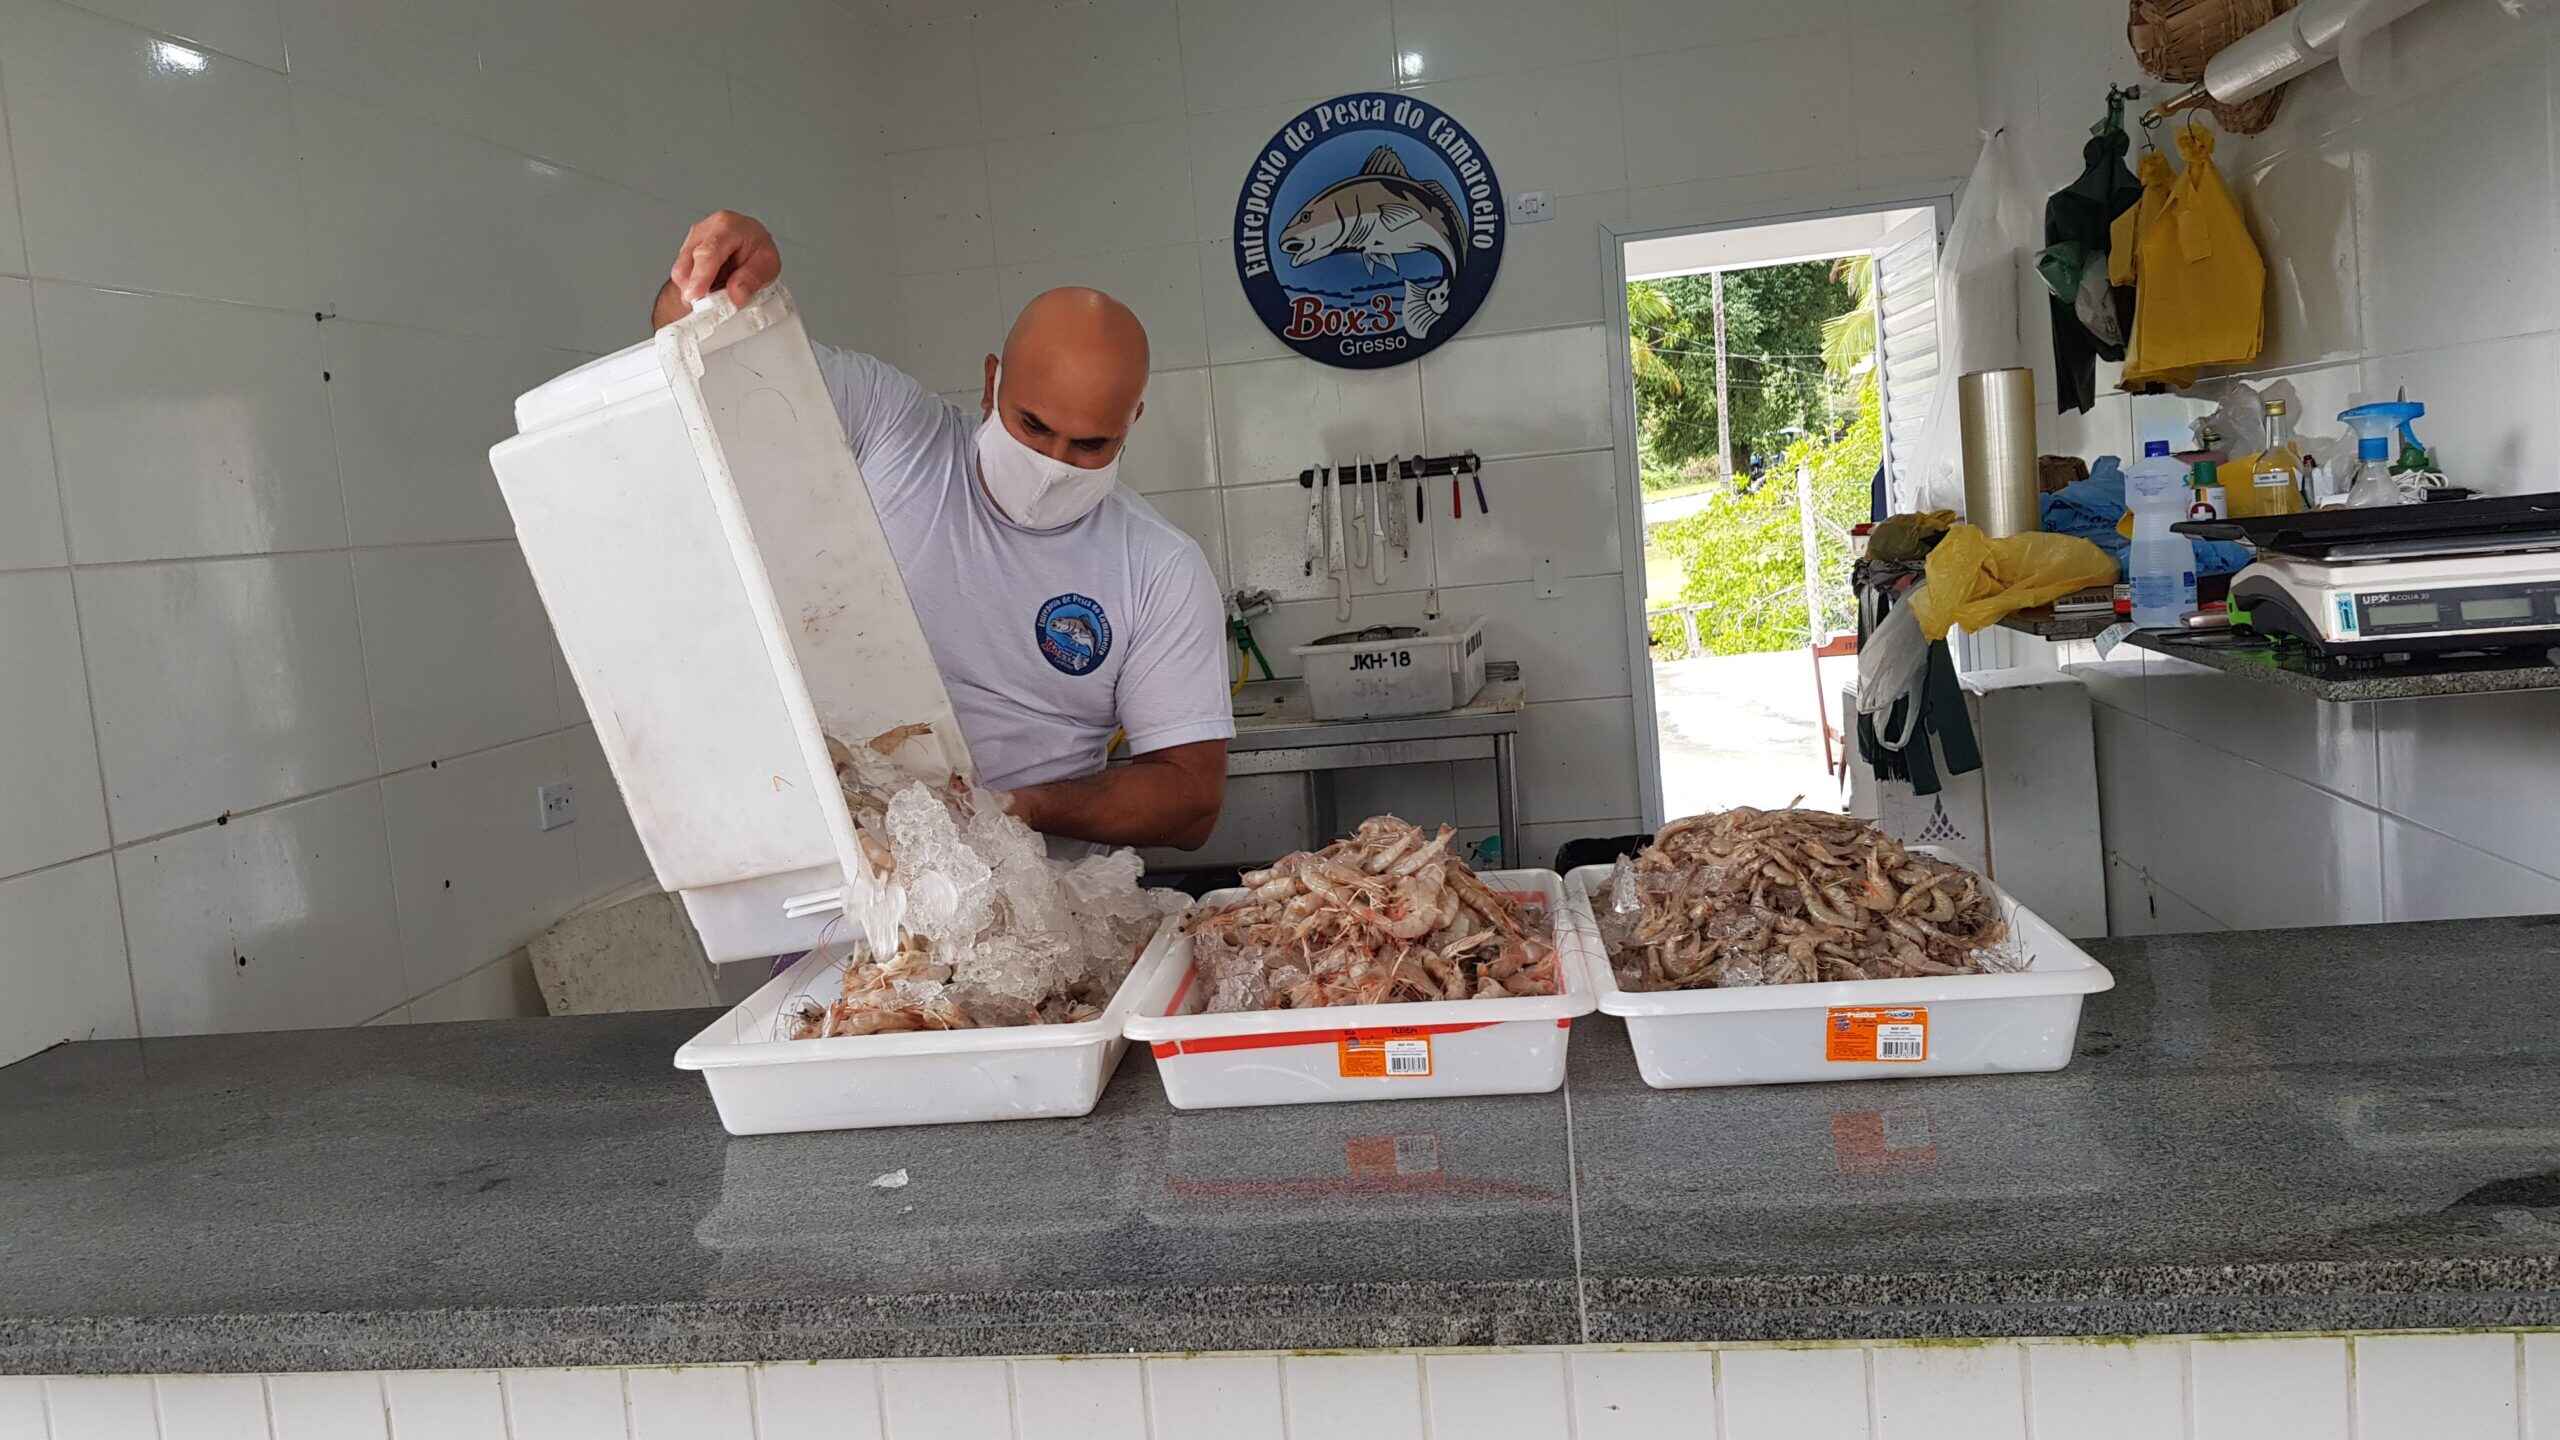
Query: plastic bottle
{"type": "Point", "coordinates": [2162, 563]}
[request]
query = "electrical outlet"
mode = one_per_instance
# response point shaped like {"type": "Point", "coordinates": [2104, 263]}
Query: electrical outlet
{"type": "Point", "coordinates": [559, 805]}
{"type": "Point", "coordinates": [1548, 589]}
{"type": "Point", "coordinates": [1531, 206]}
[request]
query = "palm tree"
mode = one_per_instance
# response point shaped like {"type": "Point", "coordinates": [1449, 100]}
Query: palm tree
{"type": "Point", "coordinates": [1650, 315]}
{"type": "Point", "coordinates": [1849, 338]}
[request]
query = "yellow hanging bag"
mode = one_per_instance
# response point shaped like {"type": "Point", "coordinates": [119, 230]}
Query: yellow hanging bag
{"type": "Point", "coordinates": [2203, 284]}
{"type": "Point", "coordinates": [2124, 267]}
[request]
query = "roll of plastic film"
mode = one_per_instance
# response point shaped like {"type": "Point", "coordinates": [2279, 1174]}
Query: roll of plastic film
{"type": "Point", "coordinates": [1997, 410]}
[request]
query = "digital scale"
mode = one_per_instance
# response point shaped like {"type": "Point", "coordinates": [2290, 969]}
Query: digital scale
{"type": "Point", "coordinates": [2459, 575]}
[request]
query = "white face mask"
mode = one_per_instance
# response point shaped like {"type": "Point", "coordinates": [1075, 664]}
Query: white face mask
{"type": "Point", "coordinates": [1034, 491]}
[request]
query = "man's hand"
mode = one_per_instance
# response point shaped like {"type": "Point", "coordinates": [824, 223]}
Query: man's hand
{"type": "Point", "coordinates": [724, 250]}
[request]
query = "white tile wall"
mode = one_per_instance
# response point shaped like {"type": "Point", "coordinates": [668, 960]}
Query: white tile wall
{"type": "Point", "coordinates": [2451, 1386]}
{"type": "Point", "coordinates": [265, 365]}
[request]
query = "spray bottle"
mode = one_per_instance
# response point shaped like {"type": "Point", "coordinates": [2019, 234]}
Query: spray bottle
{"type": "Point", "coordinates": [2370, 482]}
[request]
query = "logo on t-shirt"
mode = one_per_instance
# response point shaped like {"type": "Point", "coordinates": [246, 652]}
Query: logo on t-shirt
{"type": "Point", "coordinates": [1074, 634]}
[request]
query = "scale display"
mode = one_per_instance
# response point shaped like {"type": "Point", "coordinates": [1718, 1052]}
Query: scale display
{"type": "Point", "coordinates": [2478, 607]}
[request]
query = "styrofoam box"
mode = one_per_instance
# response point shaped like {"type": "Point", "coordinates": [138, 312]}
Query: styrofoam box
{"type": "Point", "coordinates": [1509, 1046]}
{"type": "Point", "coordinates": [1776, 1034]}
{"type": "Point", "coordinates": [763, 1084]}
{"type": "Point", "coordinates": [726, 601]}
{"type": "Point", "coordinates": [1364, 679]}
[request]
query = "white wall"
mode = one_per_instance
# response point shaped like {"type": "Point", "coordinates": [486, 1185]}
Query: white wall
{"type": "Point", "coordinates": [275, 688]}
{"type": "Point", "coordinates": [1030, 145]}
{"type": "Point", "coordinates": [2408, 237]}
{"type": "Point", "coordinates": [2478, 1386]}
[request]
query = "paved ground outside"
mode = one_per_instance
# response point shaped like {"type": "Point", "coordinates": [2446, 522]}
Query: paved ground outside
{"type": "Point", "coordinates": [1741, 730]}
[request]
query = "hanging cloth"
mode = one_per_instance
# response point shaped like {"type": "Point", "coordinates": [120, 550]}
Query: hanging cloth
{"type": "Point", "coordinates": [2077, 219]}
{"type": "Point", "coordinates": [2124, 267]}
{"type": "Point", "coordinates": [2204, 284]}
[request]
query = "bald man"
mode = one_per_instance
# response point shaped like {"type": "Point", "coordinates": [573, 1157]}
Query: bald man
{"type": "Point", "coordinates": [1060, 606]}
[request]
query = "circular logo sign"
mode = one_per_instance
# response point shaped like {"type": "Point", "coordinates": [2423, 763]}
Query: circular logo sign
{"type": "Point", "coordinates": [1074, 634]}
{"type": "Point", "coordinates": [1368, 230]}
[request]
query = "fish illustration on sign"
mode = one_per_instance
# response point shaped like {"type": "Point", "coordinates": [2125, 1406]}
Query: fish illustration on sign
{"type": "Point", "coordinates": [1074, 630]}
{"type": "Point", "coordinates": [1381, 214]}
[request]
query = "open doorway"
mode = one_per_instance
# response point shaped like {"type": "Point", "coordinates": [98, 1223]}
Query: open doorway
{"type": "Point", "coordinates": [1772, 367]}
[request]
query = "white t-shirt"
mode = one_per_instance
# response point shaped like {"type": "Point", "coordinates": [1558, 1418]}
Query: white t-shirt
{"type": "Point", "coordinates": [1047, 640]}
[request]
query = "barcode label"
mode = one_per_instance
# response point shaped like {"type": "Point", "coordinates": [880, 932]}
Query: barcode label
{"type": "Point", "coordinates": [1393, 1057]}
{"type": "Point", "coordinates": [1854, 1034]}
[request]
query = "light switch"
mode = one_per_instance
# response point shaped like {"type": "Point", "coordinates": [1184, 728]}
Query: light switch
{"type": "Point", "coordinates": [1531, 206]}
{"type": "Point", "coordinates": [1548, 589]}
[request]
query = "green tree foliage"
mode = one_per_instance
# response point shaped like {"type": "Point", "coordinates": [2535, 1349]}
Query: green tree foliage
{"type": "Point", "coordinates": [1774, 319]}
{"type": "Point", "coordinates": [1744, 554]}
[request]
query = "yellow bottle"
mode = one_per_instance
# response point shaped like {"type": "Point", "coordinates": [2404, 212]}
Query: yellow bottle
{"type": "Point", "coordinates": [2274, 483]}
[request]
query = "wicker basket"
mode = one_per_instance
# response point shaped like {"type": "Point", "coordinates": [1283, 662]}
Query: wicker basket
{"type": "Point", "coordinates": [2173, 40]}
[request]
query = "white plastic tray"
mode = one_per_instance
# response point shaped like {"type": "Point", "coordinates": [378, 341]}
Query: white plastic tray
{"type": "Point", "coordinates": [1777, 1034]}
{"type": "Point", "coordinates": [763, 1085]}
{"type": "Point", "coordinates": [1510, 1046]}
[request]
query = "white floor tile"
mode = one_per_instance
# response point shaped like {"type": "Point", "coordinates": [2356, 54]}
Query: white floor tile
{"type": "Point", "coordinates": [187, 427]}
{"type": "Point", "coordinates": [827, 1400]}
{"type": "Point", "coordinates": [707, 1402]}
{"type": "Point", "coordinates": [346, 1406]}
{"type": "Point", "coordinates": [1235, 1397]}
{"type": "Point", "coordinates": [947, 1399]}
{"type": "Point", "coordinates": [2435, 1387]}
{"type": "Point", "coordinates": [1935, 1392]}
{"type": "Point", "coordinates": [277, 921]}
{"type": "Point", "coordinates": [50, 805]}
{"type": "Point", "coordinates": [22, 1405]}
{"type": "Point", "coordinates": [1373, 1395]}
{"type": "Point", "coordinates": [212, 1407]}
{"type": "Point", "coordinates": [2542, 1387]}
{"type": "Point", "coordinates": [1642, 1394]}
{"type": "Point", "coordinates": [457, 650]}
{"type": "Point", "coordinates": [1792, 1394]}
{"type": "Point", "coordinates": [445, 1405]}
{"type": "Point", "coordinates": [475, 875]}
{"type": "Point", "coordinates": [565, 1405]}
{"type": "Point", "coordinates": [1495, 1397]}
{"type": "Point", "coordinates": [265, 655]}
{"type": "Point", "coordinates": [201, 146]}
{"type": "Point", "coordinates": [1070, 1399]}
{"type": "Point", "coordinates": [102, 1407]}
{"type": "Point", "coordinates": [30, 499]}
{"type": "Point", "coordinates": [2108, 1392]}
{"type": "Point", "coordinates": [2250, 1389]}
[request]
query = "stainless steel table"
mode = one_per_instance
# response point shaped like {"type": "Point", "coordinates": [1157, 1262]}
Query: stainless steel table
{"type": "Point", "coordinates": [1276, 734]}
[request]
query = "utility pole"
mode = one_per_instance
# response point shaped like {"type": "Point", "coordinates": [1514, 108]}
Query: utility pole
{"type": "Point", "coordinates": [1724, 407]}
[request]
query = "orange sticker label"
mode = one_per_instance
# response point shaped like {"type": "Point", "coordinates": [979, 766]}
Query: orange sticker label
{"type": "Point", "coordinates": [1866, 1036]}
{"type": "Point", "coordinates": [1385, 1057]}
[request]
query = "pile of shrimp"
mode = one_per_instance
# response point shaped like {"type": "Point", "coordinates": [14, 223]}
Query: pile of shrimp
{"type": "Point", "coordinates": [1387, 915]}
{"type": "Point", "coordinates": [988, 930]}
{"type": "Point", "coordinates": [1780, 897]}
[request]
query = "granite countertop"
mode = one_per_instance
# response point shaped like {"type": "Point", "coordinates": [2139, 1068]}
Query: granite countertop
{"type": "Point", "coordinates": [2270, 1131]}
{"type": "Point", "coordinates": [2415, 678]}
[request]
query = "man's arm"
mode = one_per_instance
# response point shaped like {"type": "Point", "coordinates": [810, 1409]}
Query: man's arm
{"type": "Point", "coordinates": [724, 249]}
{"type": "Point", "coordinates": [1164, 797]}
